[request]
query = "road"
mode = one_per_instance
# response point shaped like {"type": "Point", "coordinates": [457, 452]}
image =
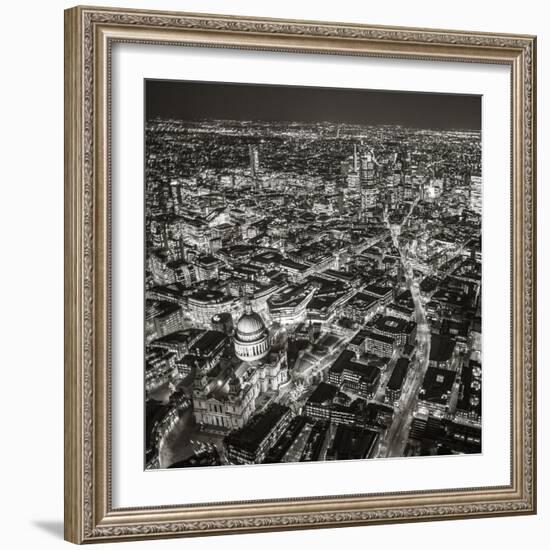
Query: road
{"type": "Point", "coordinates": [177, 445]}
{"type": "Point", "coordinates": [395, 439]}
{"type": "Point", "coordinates": [295, 451]}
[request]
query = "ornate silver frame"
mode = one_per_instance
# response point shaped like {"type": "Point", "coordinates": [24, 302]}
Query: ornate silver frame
{"type": "Point", "coordinates": [89, 35]}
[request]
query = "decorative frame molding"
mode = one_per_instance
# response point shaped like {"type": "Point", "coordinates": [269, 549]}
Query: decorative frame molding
{"type": "Point", "coordinates": [89, 34]}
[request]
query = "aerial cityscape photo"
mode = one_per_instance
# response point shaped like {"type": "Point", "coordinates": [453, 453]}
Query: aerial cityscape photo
{"type": "Point", "coordinates": [312, 274]}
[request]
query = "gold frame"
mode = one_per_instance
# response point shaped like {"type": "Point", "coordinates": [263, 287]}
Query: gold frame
{"type": "Point", "coordinates": [89, 35]}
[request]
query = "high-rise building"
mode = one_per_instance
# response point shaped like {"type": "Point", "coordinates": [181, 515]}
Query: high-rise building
{"type": "Point", "coordinates": [367, 168]}
{"type": "Point", "coordinates": [476, 194]}
{"type": "Point", "coordinates": [369, 196]}
{"type": "Point", "coordinates": [353, 180]}
{"type": "Point", "coordinates": [369, 191]}
{"type": "Point", "coordinates": [254, 158]}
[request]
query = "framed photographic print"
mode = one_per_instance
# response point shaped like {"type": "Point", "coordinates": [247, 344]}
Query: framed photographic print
{"type": "Point", "coordinates": [299, 282]}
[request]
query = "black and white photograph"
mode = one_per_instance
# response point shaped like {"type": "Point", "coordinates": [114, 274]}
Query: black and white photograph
{"type": "Point", "coordinates": [313, 263]}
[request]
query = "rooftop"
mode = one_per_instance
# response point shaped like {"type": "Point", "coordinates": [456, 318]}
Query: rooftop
{"type": "Point", "coordinates": [377, 290]}
{"type": "Point", "coordinates": [258, 428]}
{"type": "Point", "coordinates": [398, 375]}
{"type": "Point", "coordinates": [156, 308]}
{"type": "Point", "coordinates": [437, 384]}
{"type": "Point", "coordinates": [209, 341]}
{"type": "Point", "coordinates": [441, 348]}
{"type": "Point", "coordinates": [209, 296]}
{"type": "Point", "coordinates": [380, 338]}
{"type": "Point", "coordinates": [324, 394]}
{"type": "Point", "coordinates": [352, 442]}
{"type": "Point", "coordinates": [362, 300]}
{"type": "Point", "coordinates": [368, 372]}
{"type": "Point", "coordinates": [342, 360]}
{"type": "Point", "coordinates": [393, 325]}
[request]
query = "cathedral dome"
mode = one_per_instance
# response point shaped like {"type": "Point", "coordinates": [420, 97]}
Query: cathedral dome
{"type": "Point", "coordinates": [250, 326]}
{"type": "Point", "coordinates": [251, 336]}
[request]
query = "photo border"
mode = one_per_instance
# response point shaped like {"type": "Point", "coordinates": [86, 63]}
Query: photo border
{"type": "Point", "coordinates": [89, 36]}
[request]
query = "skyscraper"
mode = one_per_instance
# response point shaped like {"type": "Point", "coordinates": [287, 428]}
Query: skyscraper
{"type": "Point", "coordinates": [369, 191]}
{"type": "Point", "coordinates": [475, 194]}
{"type": "Point", "coordinates": [254, 160]}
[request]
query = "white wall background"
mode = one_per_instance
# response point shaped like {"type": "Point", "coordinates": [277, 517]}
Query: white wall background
{"type": "Point", "coordinates": [31, 309]}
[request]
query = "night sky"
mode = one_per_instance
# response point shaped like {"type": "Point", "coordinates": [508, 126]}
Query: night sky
{"type": "Point", "coordinates": [188, 100]}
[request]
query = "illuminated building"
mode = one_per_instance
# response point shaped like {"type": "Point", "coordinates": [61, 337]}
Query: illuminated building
{"type": "Point", "coordinates": [385, 293]}
{"type": "Point", "coordinates": [319, 405]}
{"type": "Point", "coordinates": [226, 396]}
{"type": "Point", "coordinates": [476, 194]}
{"type": "Point", "coordinates": [397, 378]}
{"type": "Point", "coordinates": [468, 407]}
{"type": "Point", "coordinates": [402, 331]}
{"type": "Point", "coordinates": [203, 304]}
{"type": "Point", "coordinates": [162, 318]}
{"type": "Point", "coordinates": [250, 444]}
{"type": "Point", "coordinates": [379, 344]}
{"type": "Point", "coordinates": [251, 338]}
{"type": "Point", "coordinates": [159, 368]}
{"type": "Point", "coordinates": [225, 392]}
{"type": "Point", "coordinates": [435, 394]}
{"type": "Point", "coordinates": [254, 159]}
{"type": "Point", "coordinates": [369, 191]}
{"type": "Point", "coordinates": [289, 306]}
{"type": "Point", "coordinates": [207, 268]}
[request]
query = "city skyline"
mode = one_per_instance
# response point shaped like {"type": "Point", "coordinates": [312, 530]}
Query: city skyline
{"type": "Point", "coordinates": [196, 100]}
{"type": "Point", "coordinates": [312, 289]}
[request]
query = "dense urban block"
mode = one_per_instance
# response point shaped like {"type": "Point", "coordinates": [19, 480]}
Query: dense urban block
{"type": "Point", "coordinates": [312, 292]}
